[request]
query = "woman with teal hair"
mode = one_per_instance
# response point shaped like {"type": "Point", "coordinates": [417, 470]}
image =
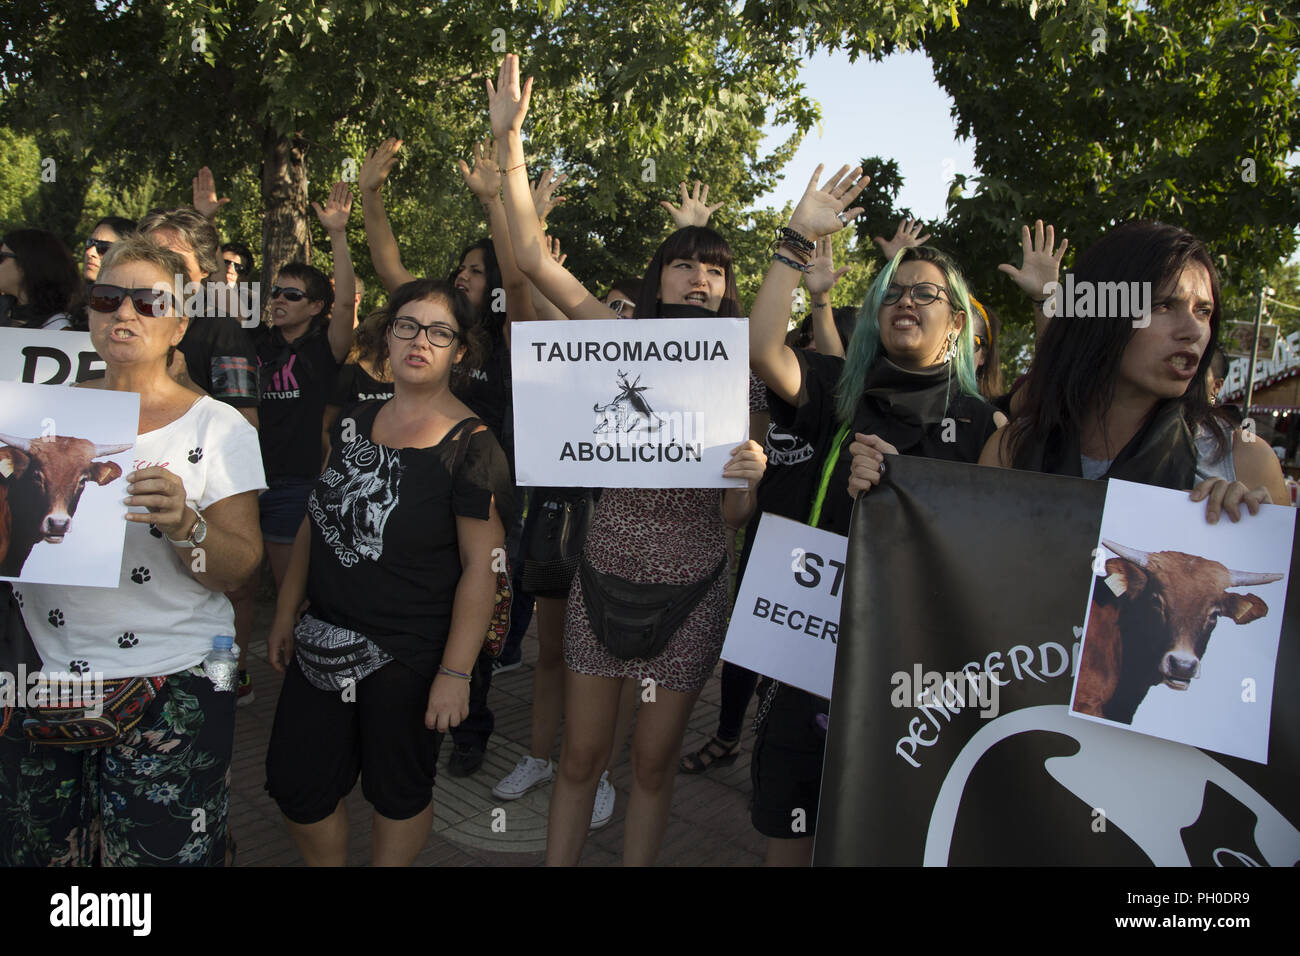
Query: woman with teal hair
{"type": "Point", "coordinates": [905, 386]}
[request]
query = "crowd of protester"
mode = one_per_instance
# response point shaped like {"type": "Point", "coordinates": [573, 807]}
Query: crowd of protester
{"type": "Point", "coordinates": [368, 460]}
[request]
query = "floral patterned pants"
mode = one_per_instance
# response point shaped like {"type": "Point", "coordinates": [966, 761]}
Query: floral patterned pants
{"type": "Point", "coordinates": [158, 797]}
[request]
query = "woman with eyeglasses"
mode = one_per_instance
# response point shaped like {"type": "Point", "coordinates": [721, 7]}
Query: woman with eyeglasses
{"type": "Point", "coordinates": [988, 357]}
{"type": "Point", "coordinates": [299, 355]}
{"type": "Point", "coordinates": [396, 559]}
{"type": "Point", "coordinates": [39, 285]}
{"type": "Point", "coordinates": [135, 800]}
{"type": "Point", "coordinates": [106, 232]}
{"type": "Point", "coordinates": [906, 386]}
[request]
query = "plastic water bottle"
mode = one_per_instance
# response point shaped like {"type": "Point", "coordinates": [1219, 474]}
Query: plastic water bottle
{"type": "Point", "coordinates": [221, 665]}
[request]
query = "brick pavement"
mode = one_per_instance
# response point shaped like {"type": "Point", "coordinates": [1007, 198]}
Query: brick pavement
{"type": "Point", "coordinates": [709, 824]}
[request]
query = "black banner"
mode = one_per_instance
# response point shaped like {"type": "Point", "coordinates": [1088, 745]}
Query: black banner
{"type": "Point", "coordinates": [972, 583]}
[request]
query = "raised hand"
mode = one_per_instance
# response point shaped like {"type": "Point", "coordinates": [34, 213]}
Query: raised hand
{"type": "Point", "coordinates": [334, 217]}
{"type": "Point", "coordinates": [379, 163]}
{"type": "Point", "coordinates": [907, 234]}
{"type": "Point", "coordinates": [544, 198]}
{"type": "Point", "coordinates": [205, 194]}
{"type": "Point", "coordinates": [553, 249]}
{"type": "Point", "coordinates": [695, 209]}
{"type": "Point", "coordinates": [821, 211]}
{"type": "Point", "coordinates": [1040, 261]}
{"type": "Point", "coordinates": [484, 181]}
{"type": "Point", "coordinates": [507, 102]}
{"type": "Point", "coordinates": [822, 274]}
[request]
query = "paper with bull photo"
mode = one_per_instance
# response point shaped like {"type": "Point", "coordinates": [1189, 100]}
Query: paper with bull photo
{"type": "Point", "coordinates": [1184, 620]}
{"type": "Point", "coordinates": [629, 404]}
{"type": "Point", "coordinates": [64, 453]}
{"type": "Point", "coordinates": [785, 623]}
{"type": "Point", "coordinates": [988, 569]}
{"type": "Point", "coordinates": [47, 358]}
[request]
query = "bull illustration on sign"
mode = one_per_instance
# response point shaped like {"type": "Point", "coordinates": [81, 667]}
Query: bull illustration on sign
{"type": "Point", "coordinates": [628, 411]}
{"type": "Point", "coordinates": [41, 481]}
{"type": "Point", "coordinates": [1151, 620]}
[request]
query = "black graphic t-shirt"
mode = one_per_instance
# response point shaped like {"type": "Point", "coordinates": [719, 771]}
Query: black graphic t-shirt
{"type": "Point", "coordinates": [354, 384]}
{"type": "Point", "coordinates": [296, 381]}
{"type": "Point", "coordinates": [221, 360]}
{"type": "Point", "coordinates": [384, 555]}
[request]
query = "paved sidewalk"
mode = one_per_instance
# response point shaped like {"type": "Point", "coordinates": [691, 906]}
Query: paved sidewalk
{"type": "Point", "coordinates": [709, 825]}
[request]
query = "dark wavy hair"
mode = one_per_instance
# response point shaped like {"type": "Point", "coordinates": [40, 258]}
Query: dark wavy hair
{"type": "Point", "coordinates": [315, 283]}
{"type": "Point", "coordinates": [241, 250]}
{"type": "Point", "coordinates": [51, 279]}
{"type": "Point", "coordinates": [472, 335]}
{"type": "Point", "coordinates": [1077, 365]}
{"type": "Point", "coordinates": [689, 242]}
{"type": "Point", "coordinates": [119, 224]}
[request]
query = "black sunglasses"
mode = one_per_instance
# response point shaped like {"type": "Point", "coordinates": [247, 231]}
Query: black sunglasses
{"type": "Point", "coordinates": [293, 295]}
{"type": "Point", "coordinates": [241, 267]}
{"type": "Point", "coordinates": [101, 245]}
{"type": "Point", "coordinates": [108, 298]}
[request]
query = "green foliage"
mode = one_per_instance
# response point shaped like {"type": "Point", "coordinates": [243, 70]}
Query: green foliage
{"type": "Point", "coordinates": [20, 178]}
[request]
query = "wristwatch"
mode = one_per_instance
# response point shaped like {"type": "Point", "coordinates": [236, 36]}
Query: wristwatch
{"type": "Point", "coordinates": [197, 534]}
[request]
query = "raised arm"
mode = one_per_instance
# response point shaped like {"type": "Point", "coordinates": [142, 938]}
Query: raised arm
{"type": "Point", "coordinates": [204, 196]}
{"type": "Point", "coordinates": [820, 279]}
{"type": "Point", "coordinates": [384, 254]}
{"type": "Point", "coordinates": [907, 234]}
{"type": "Point", "coordinates": [1040, 267]}
{"type": "Point", "coordinates": [694, 210]}
{"type": "Point", "coordinates": [820, 212]}
{"type": "Point", "coordinates": [508, 104]}
{"type": "Point", "coordinates": [334, 217]}
{"type": "Point", "coordinates": [484, 181]}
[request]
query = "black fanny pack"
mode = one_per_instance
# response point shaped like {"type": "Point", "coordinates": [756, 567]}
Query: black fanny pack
{"type": "Point", "coordinates": [635, 621]}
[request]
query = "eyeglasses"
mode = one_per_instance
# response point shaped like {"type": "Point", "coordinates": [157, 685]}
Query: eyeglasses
{"type": "Point", "coordinates": [293, 295]}
{"type": "Point", "coordinates": [101, 245]}
{"type": "Point", "coordinates": [923, 293]}
{"type": "Point", "coordinates": [241, 267]}
{"type": "Point", "coordinates": [622, 305]}
{"type": "Point", "coordinates": [108, 298]}
{"type": "Point", "coordinates": [439, 335]}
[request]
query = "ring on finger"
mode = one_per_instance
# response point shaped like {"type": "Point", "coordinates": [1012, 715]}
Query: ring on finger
{"type": "Point", "coordinates": [844, 220]}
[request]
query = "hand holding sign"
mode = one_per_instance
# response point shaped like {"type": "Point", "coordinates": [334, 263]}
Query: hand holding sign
{"type": "Point", "coordinates": [868, 453]}
{"type": "Point", "coordinates": [747, 461]}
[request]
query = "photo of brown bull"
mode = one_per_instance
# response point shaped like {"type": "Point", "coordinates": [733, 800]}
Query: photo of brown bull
{"type": "Point", "coordinates": [1151, 620]}
{"type": "Point", "coordinates": [41, 481]}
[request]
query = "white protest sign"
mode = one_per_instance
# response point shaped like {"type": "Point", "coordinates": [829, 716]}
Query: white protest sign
{"type": "Point", "coordinates": [786, 621]}
{"type": "Point", "coordinates": [47, 358]}
{"type": "Point", "coordinates": [64, 454]}
{"type": "Point", "coordinates": [614, 403]}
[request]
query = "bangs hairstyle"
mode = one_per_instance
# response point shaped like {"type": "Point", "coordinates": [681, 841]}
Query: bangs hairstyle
{"type": "Point", "coordinates": [315, 283]}
{"type": "Point", "coordinates": [1075, 371]}
{"type": "Point", "coordinates": [864, 348]}
{"type": "Point", "coordinates": [689, 242]}
{"type": "Point", "coordinates": [136, 248]}
{"type": "Point", "coordinates": [51, 278]}
{"type": "Point", "coordinates": [195, 228]}
{"type": "Point", "coordinates": [472, 334]}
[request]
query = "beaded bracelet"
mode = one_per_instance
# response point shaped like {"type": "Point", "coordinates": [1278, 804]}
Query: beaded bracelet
{"type": "Point", "coordinates": [444, 669]}
{"type": "Point", "coordinates": [796, 240]}
{"type": "Point", "coordinates": [798, 266]}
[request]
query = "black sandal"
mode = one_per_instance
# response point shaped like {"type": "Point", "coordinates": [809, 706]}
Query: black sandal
{"type": "Point", "coordinates": [716, 752]}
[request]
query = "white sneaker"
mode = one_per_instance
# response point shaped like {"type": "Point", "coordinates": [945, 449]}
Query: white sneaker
{"type": "Point", "coordinates": [528, 773]}
{"type": "Point", "coordinates": [603, 809]}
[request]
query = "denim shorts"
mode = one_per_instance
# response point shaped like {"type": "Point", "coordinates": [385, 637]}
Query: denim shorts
{"type": "Point", "coordinates": [282, 507]}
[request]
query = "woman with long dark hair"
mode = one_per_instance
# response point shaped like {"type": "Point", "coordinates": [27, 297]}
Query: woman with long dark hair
{"type": "Point", "coordinates": [905, 386]}
{"type": "Point", "coordinates": [40, 274]}
{"type": "Point", "coordinates": [1124, 395]}
{"type": "Point", "coordinates": [646, 537]}
{"type": "Point", "coordinates": [106, 232]}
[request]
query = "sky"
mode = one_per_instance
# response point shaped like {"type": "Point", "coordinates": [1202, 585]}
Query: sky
{"type": "Point", "coordinates": [912, 125]}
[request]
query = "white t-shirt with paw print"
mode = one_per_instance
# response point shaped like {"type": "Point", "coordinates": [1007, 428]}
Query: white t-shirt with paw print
{"type": "Point", "coordinates": [158, 620]}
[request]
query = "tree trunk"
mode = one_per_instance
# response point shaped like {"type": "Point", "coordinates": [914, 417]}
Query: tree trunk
{"type": "Point", "coordinates": [285, 235]}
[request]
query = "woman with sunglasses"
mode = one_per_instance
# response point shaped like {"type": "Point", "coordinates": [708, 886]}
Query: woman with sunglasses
{"type": "Point", "coordinates": [39, 281]}
{"type": "Point", "coordinates": [299, 356]}
{"type": "Point", "coordinates": [106, 232]}
{"type": "Point", "coordinates": [647, 537]}
{"type": "Point", "coordinates": [193, 494]}
{"type": "Point", "coordinates": [396, 559]}
{"type": "Point", "coordinates": [906, 386]}
{"type": "Point", "coordinates": [1125, 396]}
